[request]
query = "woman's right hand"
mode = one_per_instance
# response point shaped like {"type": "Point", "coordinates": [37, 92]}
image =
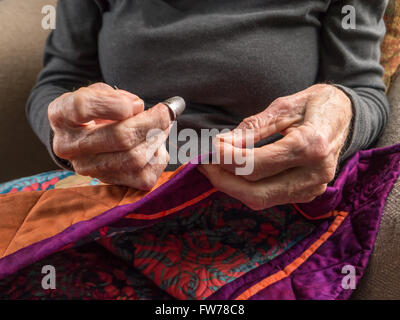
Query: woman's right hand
{"type": "Point", "coordinates": [104, 134]}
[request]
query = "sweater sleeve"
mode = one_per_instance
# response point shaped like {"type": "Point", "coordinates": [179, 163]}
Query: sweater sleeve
{"type": "Point", "coordinates": [70, 62]}
{"type": "Point", "coordinates": [349, 59]}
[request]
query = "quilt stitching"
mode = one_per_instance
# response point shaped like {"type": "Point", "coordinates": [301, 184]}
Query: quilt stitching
{"type": "Point", "coordinates": [19, 228]}
{"type": "Point", "coordinates": [277, 276]}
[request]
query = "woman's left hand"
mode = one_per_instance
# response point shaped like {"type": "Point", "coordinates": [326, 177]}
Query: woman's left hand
{"type": "Point", "coordinates": [295, 169]}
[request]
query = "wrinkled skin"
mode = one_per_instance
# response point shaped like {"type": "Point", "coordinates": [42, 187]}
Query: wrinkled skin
{"type": "Point", "coordinates": [297, 168]}
{"type": "Point", "coordinates": [102, 132]}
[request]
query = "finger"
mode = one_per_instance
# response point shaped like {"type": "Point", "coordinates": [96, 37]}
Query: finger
{"type": "Point", "coordinates": [296, 185]}
{"type": "Point", "coordinates": [302, 146]}
{"type": "Point", "coordinates": [125, 135]}
{"type": "Point", "coordinates": [100, 86]}
{"type": "Point", "coordinates": [225, 181]}
{"type": "Point", "coordinates": [144, 179]}
{"type": "Point", "coordinates": [279, 115]}
{"type": "Point", "coordinates": [118, 136]}
{"type": "Point", "coordinates": [120, 91]}
{"type": "Point", "coordinates": [98, 102]}
{"type": "Point", "coordinates": [127, 161]}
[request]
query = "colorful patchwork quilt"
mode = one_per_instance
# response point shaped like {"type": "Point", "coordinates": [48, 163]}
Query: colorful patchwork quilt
{"type": "Point", "coordinates": [186, 240]}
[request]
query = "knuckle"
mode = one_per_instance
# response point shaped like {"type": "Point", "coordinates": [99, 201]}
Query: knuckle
{"type": "Point", "coordinates": [298, 193]}
{"type": "Point", "coordinates": [253, 122]}
{"type": "Point", "coordinates": [54, 110]}
{"type": "Point", "coordinates": [76, 165]}
{"type": "Point", "coordinates": [59, 151]}
{"type": "Point", "coordinates": [148, 181]}
{"type": "Point", "coordinates": [80, 168]}
{"type": "Point", "coordinates": [136, 160]}
{"type": "Point", "coordinates": [258, 202]}
{"type": "Point", "coordinates": [159, 116]}
{"type": "Point", "coordinates": [283, 105]}
{"type": "Point", "coordinates": [99, 86]}
{"type": "Point", "coordinates": [255, 205]}
{"type": "Point", "coordinates": [311, 179]}
{"type": "Point", "coordinates": [125, 137]}
{"type": "Point", "coordinates": [320, 190]}
{"type": "Point", "coordinates": [80, 103]}
{"type": "Point", "coordinates": [81, 171]}
{"type": "Point", "coordinates": [319, 148]}
{"type": "Point", "coordinates": [298, 140]}
{"type": "Point", "coordinates": [327, 175]}
{"type": "Point", "coordinates": [282, 102]}
{"type": "Point", "coordinates": [80, 97]}
{"type": "Point", "coordinates": [60, 148]}
{"type": "Point", "coordinates": [162, 156]}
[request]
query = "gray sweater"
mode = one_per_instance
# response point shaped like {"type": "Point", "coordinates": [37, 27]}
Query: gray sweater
{"type": "Point", "coordinates": [228, 58]}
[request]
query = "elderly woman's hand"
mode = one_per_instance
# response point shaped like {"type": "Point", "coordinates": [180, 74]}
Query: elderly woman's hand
{"type": "Point", "coordinates": [103, 133]}
{"type": "Point", "coordinates": [297, 168]}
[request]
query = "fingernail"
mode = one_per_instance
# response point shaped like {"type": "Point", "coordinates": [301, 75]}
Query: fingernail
{"type": "Point", "coordinates": [139, 102]}
{"type": "Point", "coordinates": [176, 105]}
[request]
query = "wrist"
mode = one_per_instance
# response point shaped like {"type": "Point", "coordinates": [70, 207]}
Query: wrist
{"type": "Point", "coordinates": [349, 119]}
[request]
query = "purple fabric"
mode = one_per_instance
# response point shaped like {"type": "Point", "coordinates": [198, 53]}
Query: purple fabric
{"type": "Point", "coordinates": [333, 196]}
{"type": "Point", "coordinates": [360, 189]}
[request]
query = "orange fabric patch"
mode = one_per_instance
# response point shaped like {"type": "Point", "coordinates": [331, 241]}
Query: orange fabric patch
{"type": "Point", "coordinates": [29, 217]}
{"type": "Point", "coordinates": [43, 214]}
{"type": "Point", "coordinates": [12, 215]}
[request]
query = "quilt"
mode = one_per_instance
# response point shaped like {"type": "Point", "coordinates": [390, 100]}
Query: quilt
{"type": "Point", "coordinates": [186, 240]}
